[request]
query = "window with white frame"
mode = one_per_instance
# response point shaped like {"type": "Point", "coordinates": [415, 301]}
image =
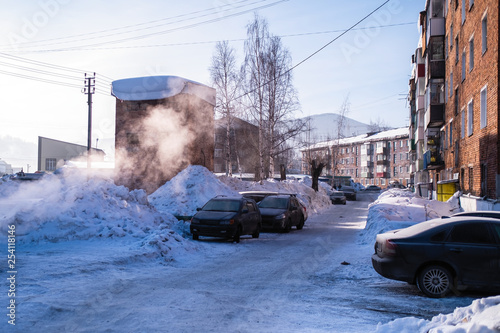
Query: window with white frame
{"type": "Point", "coordinates": [484, 33]}
{"type": "Point", "coordinates": [484, 107]}
{"type": "Point", "coordinates": [50, 164]}
{"type": "Point", "coordinates": [451, 134]}
{"type": "Point", "coordinates": [471, 54]}
{"type": "Point", "coordinates": [451, 84]}
{"type": "Point", "coordinates": [470, 117]}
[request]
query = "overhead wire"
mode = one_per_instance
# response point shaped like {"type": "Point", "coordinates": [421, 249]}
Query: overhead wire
{"type": "Point", "coordinates": [129, 26]}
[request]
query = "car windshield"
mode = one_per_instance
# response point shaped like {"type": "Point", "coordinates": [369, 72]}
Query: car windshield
{"type": "Point", "coordinates": [337, 194]}
{"type": "Point", "coordinates": [222, 205]}
{"type": "Point", "coordinates": [273, 202]}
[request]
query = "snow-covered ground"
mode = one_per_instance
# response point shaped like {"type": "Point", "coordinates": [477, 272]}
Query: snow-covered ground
{"type": "Point", "coordinates": [80, 230]}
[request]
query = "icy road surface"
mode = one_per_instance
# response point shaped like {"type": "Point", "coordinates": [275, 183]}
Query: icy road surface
{"type": "Point", "coordinates": [318, 279]}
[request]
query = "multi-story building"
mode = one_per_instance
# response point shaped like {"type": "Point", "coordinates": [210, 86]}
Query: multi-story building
{"type": "Point", "coordinates": [454, 97]}
{"type": "Point", "coordinates": [370, 159]}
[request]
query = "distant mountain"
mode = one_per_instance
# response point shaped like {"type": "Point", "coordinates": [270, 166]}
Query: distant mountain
{"type": "Point", "coordinates": [324, 127]}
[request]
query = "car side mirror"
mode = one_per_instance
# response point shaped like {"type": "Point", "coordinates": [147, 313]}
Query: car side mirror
{"type": "Point", "coordinates": [198, 209]}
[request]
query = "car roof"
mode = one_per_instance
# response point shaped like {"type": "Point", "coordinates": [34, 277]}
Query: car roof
{"type": "Point", "coordinates": [444, 221]}
{"type": "Point", "coordinates": [223, 197]}
{"type": "Point", "coordinates": [485, 213]}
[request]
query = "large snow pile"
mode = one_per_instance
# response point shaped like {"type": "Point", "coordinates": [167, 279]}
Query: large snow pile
{"type": "Point", "coordinates": [68, 207]}
{"type": "Point", "coordinates": [482, 316]}
{"type": "Point", "coordinates": [188, 190]}
{"type": "Point", "coordinates": [400, 208]}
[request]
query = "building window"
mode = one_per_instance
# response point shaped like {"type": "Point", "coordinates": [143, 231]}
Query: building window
{"type": "Point", "coordinates": [484, 107]}
{"type": "Point", "coordinates": [471, 54]}
{"type": "Point", "coordinates": [451, 37]}
{"type": "Point", "coordinates": [218, 153]}
{"type": "Point", "coordinates": [451, 84]}
{"type": "Point", "coordinates": [456, 50]}
{"type": "Point", "coordinates": [451, 134]}
{"type": "Point", "coordinates": [463, 65]}
{"type": "Point", "coordinates": [484, 183]}
{"type": "Point", "coordinates": [463, 124]}
{"type": "Point", "coordinates": [471, 179]}
{"type": "Point", "coordinates": [470, 117]}
{"type": "Point", "coordinates": [50, 164]}
{"type": "Point", "coordinates": [463, 11]}
{"type": "Point", "coordinates": [484, 33]}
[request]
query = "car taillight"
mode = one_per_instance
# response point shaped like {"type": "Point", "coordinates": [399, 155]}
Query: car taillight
{"type": "Point", "coordinates": [390, 248]}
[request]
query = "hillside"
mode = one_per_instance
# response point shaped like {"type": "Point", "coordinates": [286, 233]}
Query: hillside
{"type": "Point", "coordinates": [324, 127]}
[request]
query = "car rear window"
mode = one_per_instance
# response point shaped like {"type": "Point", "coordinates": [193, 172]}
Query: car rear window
{"type": "Point", "coordinates": [273, 202]}
{"type": "Point", "coordinates": [222, 205]}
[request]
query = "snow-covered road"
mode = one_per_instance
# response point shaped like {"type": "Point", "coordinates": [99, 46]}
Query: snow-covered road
{"type": "Point", "coordinates": [294, 282]}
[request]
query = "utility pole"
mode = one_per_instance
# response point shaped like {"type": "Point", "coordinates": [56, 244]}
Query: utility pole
{"type": "Point", "coordinates": [89, 90]}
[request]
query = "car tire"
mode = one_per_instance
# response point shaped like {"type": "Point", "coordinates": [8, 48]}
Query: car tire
{"type": "Point", "coordinates": [196, 237]}
{"type": "Point", "coordinates": [435, 281]}
{"type": "Point", "coordinates": [256, 233]}
{"type": "Point", "coordinates": [237, 234]}
{"type": "Point", "coordinates": [301, 223]}
{"type": "Point", "coordinates": [344, 202]}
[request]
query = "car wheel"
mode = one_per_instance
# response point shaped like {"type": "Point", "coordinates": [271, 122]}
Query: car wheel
{"type": "Point", "coordinates": [435, 281]}
{"type": "Point", "coordinates": [256, 233]}
{"type": "Point", "coordinates": [196, 236]}
{"type": "Point", "coordinates": [287, 226]}
{"type": "Point", "coordinates": [237, 234]}
{"type": "Point", "coordinates": [301, 224]}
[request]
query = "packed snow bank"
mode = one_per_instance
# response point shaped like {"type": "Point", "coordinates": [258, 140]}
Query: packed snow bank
{"type": "Point", "coordinates": [482, 316]}
{"type": "Point", "coordinates": [189, 189]}
{"type": "Point", "coordinates": [68, 207]}
{"type": "Point", "coordinates": [400, 208]}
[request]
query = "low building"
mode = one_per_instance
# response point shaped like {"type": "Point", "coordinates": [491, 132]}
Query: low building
{"type": "Point", "coordinates": [53, 154]}
{"type": "Point", "coordinates": [163, 124]}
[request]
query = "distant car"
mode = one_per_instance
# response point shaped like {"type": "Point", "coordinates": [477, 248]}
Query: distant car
{"type": "Point", "coordinates": [281, 212]}
{"type": "Point", "coordinates": [338, 197]}
{"type": "Point", "coordinates": [227, 217]}
{"type": "Point", "coordinates": [349, 192]}
{"type": "Point", "coordinates": [480, 213]}
{"type": "Point", "coordinates": [373, 188]}
{"type": "Point", "coordinates": [442, 255]}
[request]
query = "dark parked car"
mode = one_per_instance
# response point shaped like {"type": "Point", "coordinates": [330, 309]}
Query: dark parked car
{"type": "Point", "coordinates": [338, 197]}
{"type": "Point", "coordinates": [349, 192]}
{"type": "Point", "coordinates": [442, 255]}
{"type": "Point", "coordinates": [373, 188]}
{"type": "Point", "coordinates": [257, 195]}
{"type": "Point", "coordinates": [227, 217]}
{"type": "Point", "coordinates": [281, 212]}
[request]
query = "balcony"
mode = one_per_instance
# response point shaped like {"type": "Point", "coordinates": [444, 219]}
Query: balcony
{"type": "Point", "coordinates": [381, 151]}
{"type": "Point", "coordinates": [435, 27]}
{"type": "Point", "coordinates": [434, 116]}
{"type": "Point", "coordinates": [420, 102]}
{"type": "Point", "coordinates": [382, 175]}
{"type": "Point", "coordinates": [433, 159]}
{"type": "Point", "coordinates": [366, 175]}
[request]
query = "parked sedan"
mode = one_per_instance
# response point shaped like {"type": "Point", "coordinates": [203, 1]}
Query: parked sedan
{"type": "Point", "coordinates": [338, 197]}
{"type": "Point", "coordinates": [442, 255]}
{"type": "Point", "coordinates": [373, 188]}
{"type": "Point", "coordinates": [228, 218]}
{"type": "Point", "coordinates": [281, 212]}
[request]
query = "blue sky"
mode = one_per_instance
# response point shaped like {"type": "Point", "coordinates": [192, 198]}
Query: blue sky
{"type": "Point", "coordinates": [127, 38]}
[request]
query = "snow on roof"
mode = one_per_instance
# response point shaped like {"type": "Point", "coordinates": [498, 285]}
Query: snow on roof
{"type": "Point", "coordinates": [159, 87]}
{"type": "Point", "coordinates": [384, 135]}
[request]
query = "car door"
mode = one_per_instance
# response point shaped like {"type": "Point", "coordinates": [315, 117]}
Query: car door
{"type": "Point", "coordinates": [249, 217]}
{"type": "Point", "coordinates": [295, 211]}
{"type": "Point", "coordinates": [472, 247]}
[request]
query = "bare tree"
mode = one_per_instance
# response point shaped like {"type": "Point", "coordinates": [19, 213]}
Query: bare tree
{"type": "Point", "coordinates": [341, 124]}
{"type": "Point", "coordinates": [254, 70]}
{"type": "Point", "coordinates": [227, 80]}
{"type": "Point", "coordinates": [378, 125]}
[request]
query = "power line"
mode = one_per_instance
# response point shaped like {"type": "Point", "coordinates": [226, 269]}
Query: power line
{"type": "Point", "coordinates": [216, 41]}
{"type": "Point", "coordinates": [317, 51]}
{"type": "Point", "coordinates": [129, 26]}
{"type": "Point", "coordinates": [171, 30]}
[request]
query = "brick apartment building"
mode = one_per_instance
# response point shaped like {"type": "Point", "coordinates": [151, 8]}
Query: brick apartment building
{"type": "Point", "coordinates": [369, 159]}
{"type": "Point", "coordinates": [454, 98]}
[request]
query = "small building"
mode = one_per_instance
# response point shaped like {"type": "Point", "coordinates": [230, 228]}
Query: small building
{"type": "Point", "coordinates": [163, 124]}
{"type": "Point", "coordinates": [5, 168]}
{"type": "Point", "coordinates": [53, 154]}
